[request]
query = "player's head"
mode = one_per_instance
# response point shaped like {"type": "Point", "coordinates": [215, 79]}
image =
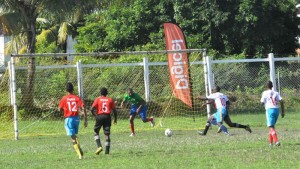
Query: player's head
{"type": "Point", "coordinates": [130, 91]}
{"type": "Point", "coordinates": [269, 85]}
{"type": "Point", "coordinates": [69, 87]}
{"type": "Point", "coordinates": [217, 89]}
{"type": "Point", "coordinates": [103, 91]}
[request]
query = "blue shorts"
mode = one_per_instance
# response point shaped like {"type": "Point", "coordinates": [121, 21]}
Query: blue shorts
{"type": "Point", "coordinates": [218, 113]}
{"type": "Point", "coordinates": [143, 112]}
{"type": "Point", "coordinates": [71, 125]}
{"type": "Point", "coordinates": [272, 116]}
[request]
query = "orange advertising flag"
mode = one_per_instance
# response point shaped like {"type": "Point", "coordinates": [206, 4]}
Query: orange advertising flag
{"type": "Point", "coordinates": [178, 63]}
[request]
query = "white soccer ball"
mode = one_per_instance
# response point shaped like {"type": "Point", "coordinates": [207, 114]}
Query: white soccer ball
{"type": "Point", "coordinates": [168, 132]}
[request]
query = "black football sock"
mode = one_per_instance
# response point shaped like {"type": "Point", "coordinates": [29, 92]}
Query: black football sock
{"type": "Point", "coordinates": [107, 149]}
{"type": "Point", "coordinates": [237, 125]}
{"type": "Point", "coordinates": [107, 146]}
{"type": "Point", "coordinates": [206, 127]}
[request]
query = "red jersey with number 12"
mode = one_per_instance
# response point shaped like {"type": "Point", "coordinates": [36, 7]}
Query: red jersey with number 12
{"type": "Point", "coordinates": [104, 105]}
{"type": "Point", "coordinates": [70, 103]}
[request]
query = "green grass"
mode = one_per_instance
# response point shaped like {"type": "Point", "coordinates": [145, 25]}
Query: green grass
{"type": "Point", "coordinates": [151, 149]}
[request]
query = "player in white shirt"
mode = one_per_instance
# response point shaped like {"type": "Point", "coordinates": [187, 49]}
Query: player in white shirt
{"type": "Point", "coordinates": [222, 102]}
{"type": "Point", "coordinates": [219, 99]}
{"type": "Point", "coordinates": [270, 101]}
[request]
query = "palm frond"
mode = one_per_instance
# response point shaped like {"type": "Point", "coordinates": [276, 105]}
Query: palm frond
{"type": "Point", "coordinates": [63, 32]}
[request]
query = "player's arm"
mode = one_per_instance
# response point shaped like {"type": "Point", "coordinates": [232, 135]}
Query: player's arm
{"type": "Point", "coordinates": [60, 106]}
{"type": "Point", "coordinates": [85, 117]}
{"type": "Point", "coordinates": [282, 108]}
{"type": "Point", "coordinates": [227, 105]}
{"type": "Point", "coordinates": [93, 111]}
{"type": "Point", "coordinates": [141, 104]}
{"type": "Point", "coordinates": [115, 116]}
{"type": "Point", "coordinates": [123, 101]}
{"type": "Point", "coordinates": [60, 109]}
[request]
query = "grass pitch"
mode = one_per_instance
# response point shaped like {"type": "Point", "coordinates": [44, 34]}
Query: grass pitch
{"type": "Point", "coordinates": [152, 149]}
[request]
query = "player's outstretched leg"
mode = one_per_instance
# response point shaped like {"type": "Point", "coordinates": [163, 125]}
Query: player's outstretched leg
{"type": "Point", "coordinates": [236, 125]}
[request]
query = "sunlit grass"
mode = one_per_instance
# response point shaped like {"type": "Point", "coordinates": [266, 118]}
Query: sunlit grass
{"type": "Point", "coordinates": [151, 149]}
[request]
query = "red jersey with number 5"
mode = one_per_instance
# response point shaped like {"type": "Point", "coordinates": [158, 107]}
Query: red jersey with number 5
{"type": "Point", "coordinates": [104, 105]}
{"type": "Point", "coordinates": [70, 103]}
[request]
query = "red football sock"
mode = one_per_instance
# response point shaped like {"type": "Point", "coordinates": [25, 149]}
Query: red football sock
{"type": "Point", "coordinates": [270, 137]}
{"type": "Point", "coordinates": [150, 119]}
{"type": "Point", "coordinates": [274, 135]}
{"type": "Point", "coordinates": [132, 128]}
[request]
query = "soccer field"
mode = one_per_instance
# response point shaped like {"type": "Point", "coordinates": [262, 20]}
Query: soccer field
{"type": "Point", "coordinates": [152, 149]}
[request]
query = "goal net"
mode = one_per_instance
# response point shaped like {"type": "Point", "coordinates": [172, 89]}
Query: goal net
{"type": "Point", "coordinates": [38, 114]}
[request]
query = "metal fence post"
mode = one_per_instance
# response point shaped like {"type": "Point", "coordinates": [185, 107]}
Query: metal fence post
{"type": "Point", "coordinates": [146, 79]}
{"type": "Point", "coordinates": [79, 79]}
{"type": "Point", "coordinates": [272, 70]}
{"type": "Point", "coordinates": [207, 79]}
{"type": "Point", "coordinates": [14, 96]}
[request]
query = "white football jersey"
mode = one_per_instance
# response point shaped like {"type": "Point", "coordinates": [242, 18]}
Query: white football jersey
{"type": "Point", "coordinates": [220, 99]}
{"type": "Point", "coordinates": [270, 98]}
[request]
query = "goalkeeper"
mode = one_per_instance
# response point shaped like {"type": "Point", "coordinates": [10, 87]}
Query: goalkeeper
{"type": "Point", "coordinates": [138, 105]}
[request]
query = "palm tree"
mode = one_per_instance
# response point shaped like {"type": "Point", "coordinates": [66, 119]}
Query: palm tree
{"type": "Point", "coordinates": [19, 17]}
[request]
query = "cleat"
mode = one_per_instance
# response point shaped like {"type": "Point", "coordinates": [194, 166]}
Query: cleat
{"type": "Point", "coordinates": [132, 135]}
{"type": "Point", "coordinates": [270, 145]}
{"type": "Point", "coordinates": [219, 130]}
{"type": "Point", "coordinates": [248, 129]}
{"type": "Point", "coordinates": [152, 122]}
{"type": "Point", "coordinates": [98, 151]}
{"type": "Point", "coordinates": [227, 133]}
{"type": "Point", "coordinates": [201, 133]}
{"type": "Point", "coordinates": [277, 143]}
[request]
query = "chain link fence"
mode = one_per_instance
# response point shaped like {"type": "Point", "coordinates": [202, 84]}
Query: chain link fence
{"type": "Point", "coordinates": [244, 79]}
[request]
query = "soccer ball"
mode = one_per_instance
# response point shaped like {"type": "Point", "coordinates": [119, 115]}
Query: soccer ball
{"type": "Point", "coordinates": [168, 132]}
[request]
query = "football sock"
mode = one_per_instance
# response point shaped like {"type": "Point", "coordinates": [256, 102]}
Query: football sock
{"type": "Point", "coordinates": [132, 128]}
{"type": "Point", "coordinates": [97, 139]}
{"type": "Point", "coordinates": [237, 125]}
{"type": "Point", "coordinates": [107, 146]}
{"type": "Point", "coordinates": [206, 127]}
{"type": "Point", "coordinates": [274, 135]}
{"type": "Point", "coordinates": [77, 149]}
{"type": "Point", "coordinates": [224, 129]}
{"type": "Point", "coordinates": [270, 137]}
{"type": "Point", "coordinates": [150, 119]}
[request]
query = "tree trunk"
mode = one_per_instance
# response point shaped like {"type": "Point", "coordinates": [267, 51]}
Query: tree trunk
{"type": "Point", "coordinates": [27, 100]}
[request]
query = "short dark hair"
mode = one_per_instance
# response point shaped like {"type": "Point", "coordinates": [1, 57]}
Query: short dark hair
{"type": "Point", "coordinates": [69, 87]}
{"type": "Point", "coordinates": [217, 88]}
{"type": "Point", "coordinates": [103, 91]}
{"type": "Point", "coordinates": [269, 84]}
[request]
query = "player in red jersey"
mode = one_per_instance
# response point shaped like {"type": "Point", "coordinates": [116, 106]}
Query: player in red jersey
{"type": "Point", "coordinates": [70, 105]}
{"type": "Point", "coordinates": [102, 108]}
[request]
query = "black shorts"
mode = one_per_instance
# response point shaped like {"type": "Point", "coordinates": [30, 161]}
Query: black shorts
{"type": "Point", "coordinates": [103, 120]}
